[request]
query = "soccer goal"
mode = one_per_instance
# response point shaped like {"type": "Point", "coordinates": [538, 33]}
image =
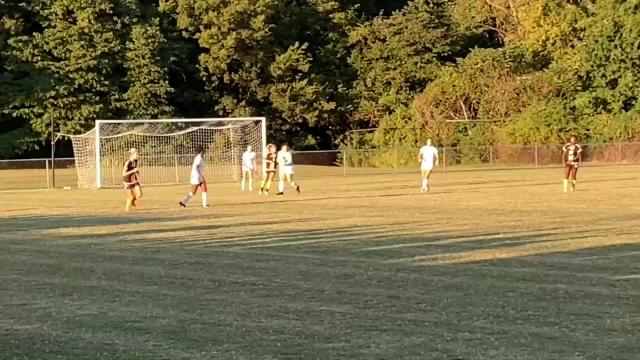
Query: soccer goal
{"type": "Point", "coordinates": [166, 148]}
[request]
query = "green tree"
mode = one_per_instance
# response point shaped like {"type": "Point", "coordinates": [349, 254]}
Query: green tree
{"type": "Point", "coordinates": [190, 98]}
{"type": "Point", "coordinates": [612, 52]}
{"type": "Point", "coordinates": [489, 85]}
{"type": "Point", "coordinates": [16, 136]}
{"type": "Point", "coordinates": [149, 89]}
{"type": "Point", "coordinates": [396, 57]}
{"type": "Point", "coordinates": [77, 52]}
{"type": "Point", "coordinates": [282, 59]}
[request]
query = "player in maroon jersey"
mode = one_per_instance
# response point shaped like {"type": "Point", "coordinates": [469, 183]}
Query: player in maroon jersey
{"type": "Point", "coordinates": [571, 158]}
{"type": "Point", "coordinates": [131, 180]}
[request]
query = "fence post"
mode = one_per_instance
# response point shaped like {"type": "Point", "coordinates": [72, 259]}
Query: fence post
{"type": "Point", "coordinates": [619, 152]}
{"type": "Point", "coordinates": [444, 158]}
{"type": "Point", "coordinates": [535, 152]}
{"type": "Point", "coordinates": [395, 159]}
{"type": "Point", "coordinates": [46, 166]}
{"type": "Point", "coordinates": [175, 158]}
{"type": "Point", "coordinates": [344, 162]}
{"type": "Point", "coordinates": [491, 156]}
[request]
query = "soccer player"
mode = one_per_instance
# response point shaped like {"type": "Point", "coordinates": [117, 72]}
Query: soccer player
{"type": "Point", "coordinates": [571, 158]}
{"type": "Point", "coordinates": [427, 157]}
{"type": "Point", "coordinates": [197, 179]}
{"type": "Point", "coordinates": [285, 165]}
{"type": "Point", "coordinates": [248, 167]}
{"type": "Point", "coordinates": [270, 172]}
{"type": "Point", "coordinates": [131, 180]}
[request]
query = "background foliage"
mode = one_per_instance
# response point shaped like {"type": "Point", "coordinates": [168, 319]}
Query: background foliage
{"type": "Point", "coordinates": [509, 71]}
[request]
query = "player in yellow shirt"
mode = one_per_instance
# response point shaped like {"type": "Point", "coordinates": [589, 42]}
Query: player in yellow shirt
{"type": "Point", "coordinates": [271, 165]}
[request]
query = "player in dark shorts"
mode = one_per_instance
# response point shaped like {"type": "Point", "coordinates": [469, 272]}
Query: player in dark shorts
{"type": "Point", "coordinates": [131, 180]}
{"type": "Point", "coordinates": [271, 166]}
{"type": "Point", "coordinates": [571, 158]}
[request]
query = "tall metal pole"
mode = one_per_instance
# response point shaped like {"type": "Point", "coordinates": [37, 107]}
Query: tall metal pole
{"type": "Point", "coordinates": [53, 156]}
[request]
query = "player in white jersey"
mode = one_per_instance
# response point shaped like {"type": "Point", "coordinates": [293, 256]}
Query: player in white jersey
{"type": "Point", "coordinates": [197, 179]}
{"type": "Point", "coordinates": [428, 157]}
{"type": "Point", "coordinates": [248, 167]}
{"type": "Point", "coordinates": [285, 169]}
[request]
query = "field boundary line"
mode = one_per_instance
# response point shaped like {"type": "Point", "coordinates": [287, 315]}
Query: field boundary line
{"type": "Point", "coordinates": [626, 277]}
{"type": "Point", "coordinates": [630, 253]}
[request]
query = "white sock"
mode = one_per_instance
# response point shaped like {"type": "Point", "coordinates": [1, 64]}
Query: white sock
{"type": "Point", "coordinates": [187, 198]}
{"type": "Point", "coordinates": [425, 183]}
{"type": "Point", "coordinates": [281, 186]}
{"type": "Point", "coordinates": [242, 186]}
{"type": "Point", "coordinates": [250, 184]}
{"type": "Point", "coordinates": [204, 199]}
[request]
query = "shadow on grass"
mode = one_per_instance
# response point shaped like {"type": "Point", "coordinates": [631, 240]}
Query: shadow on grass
{"type": "Point", "coordinates": [166, 234]}
{"type": "Point", "coordinates": [27, 223]}
{"type": "Point", "coordinates": [400, 242]}
{"type": "Point", "coordinates": [332, 290]}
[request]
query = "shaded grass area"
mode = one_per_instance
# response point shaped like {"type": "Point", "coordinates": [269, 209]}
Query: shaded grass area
{"type": "Point", "coordinates": [490, 265]}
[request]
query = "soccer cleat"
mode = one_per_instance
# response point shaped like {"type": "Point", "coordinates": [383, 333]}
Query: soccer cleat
{"type": "Point", "coordinates": [298, 189]}
{"type": "Point", "coordinates": [280, 193]}
{"type": "Point", "coordinates": [182, 205]}
{"type": "Point", "coordinates": [205, 206]}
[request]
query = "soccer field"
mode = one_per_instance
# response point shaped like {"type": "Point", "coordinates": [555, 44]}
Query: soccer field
{"type": "Point", "coordinates": [489, 265]}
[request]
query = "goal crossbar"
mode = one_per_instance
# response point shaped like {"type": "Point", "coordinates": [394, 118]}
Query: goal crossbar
{"type": "Point", "coordinates": [184, 120]}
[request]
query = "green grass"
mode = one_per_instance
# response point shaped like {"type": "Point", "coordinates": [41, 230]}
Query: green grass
{"type": "Point", "coordinates": [34, 179]}
{"type": "Point", "coordinates": [490, 265]}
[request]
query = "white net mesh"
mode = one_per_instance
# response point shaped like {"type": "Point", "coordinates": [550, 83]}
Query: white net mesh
{"type": "Point", "coordinates": [166, 149]}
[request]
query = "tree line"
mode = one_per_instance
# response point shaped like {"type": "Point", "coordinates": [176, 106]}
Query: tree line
{"type": "Point", "coordinates": [464, 72]}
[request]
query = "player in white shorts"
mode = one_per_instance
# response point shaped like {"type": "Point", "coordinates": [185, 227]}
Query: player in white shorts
{"type": "Point", "coordinates": [197, 179]}
{"type": "Point", "coordinates": [248, 167]}
{"type": "Point", "coordinates": [428, 157]}
{"type": "Point", "coordinates": [285, 169]}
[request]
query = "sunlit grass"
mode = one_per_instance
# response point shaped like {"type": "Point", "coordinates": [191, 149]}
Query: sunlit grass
{"type": "Point", "coordinates": [489, 265]}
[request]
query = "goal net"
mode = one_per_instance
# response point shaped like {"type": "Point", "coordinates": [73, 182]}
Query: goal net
{"type": "Point", "coordinates": [166, 148]}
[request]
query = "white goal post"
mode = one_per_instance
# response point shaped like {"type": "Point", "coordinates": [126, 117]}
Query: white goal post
{"type": "Point", "coordinates": [166, 148]}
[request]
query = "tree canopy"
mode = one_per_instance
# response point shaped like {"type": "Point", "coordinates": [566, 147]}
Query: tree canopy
{"type": "Point", "coordinates": [505, 71]}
